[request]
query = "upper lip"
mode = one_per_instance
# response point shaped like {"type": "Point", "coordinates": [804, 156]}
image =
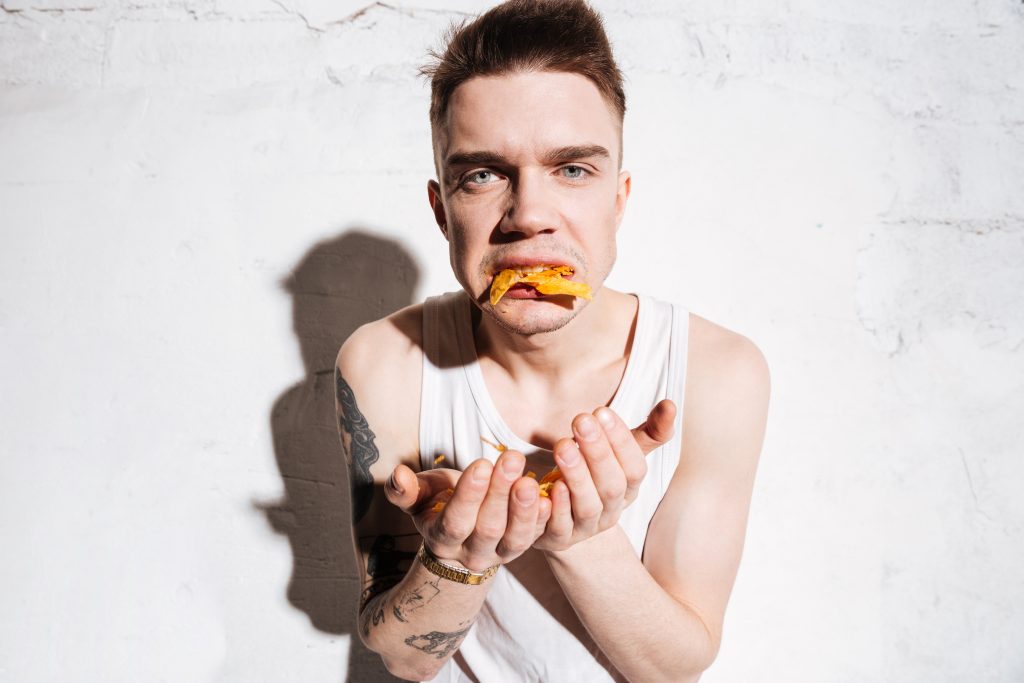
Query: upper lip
{"type": "Point", "coordinates": [513, 262]}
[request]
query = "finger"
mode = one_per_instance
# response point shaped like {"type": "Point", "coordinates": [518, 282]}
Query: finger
{"type": "Point", "coordinates": [543, 515]}
{"type": "Point", "coordinates": [628, 453]}
{"type": "Point", "coordinates": [559, 527]}
{"type": "Point", "coordinates": [605, 470]}
{"type": "Point", "coordinates": [658, 427]}
{"type": "Point", "coordinates": [586, 503]}
{"type": "Point", "coordinates": [493, 516]}
{"type": "Point", "coordinates": [456, 521]}
{"type": "Point", "coordinates": [523, 507]}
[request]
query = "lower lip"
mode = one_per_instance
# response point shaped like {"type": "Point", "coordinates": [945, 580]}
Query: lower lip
{"type": "Point", "coordinates": [523, 292]}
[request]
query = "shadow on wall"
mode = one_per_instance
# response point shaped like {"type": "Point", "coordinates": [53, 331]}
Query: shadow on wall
{"type": "Point", "coordinates": [339, 285]}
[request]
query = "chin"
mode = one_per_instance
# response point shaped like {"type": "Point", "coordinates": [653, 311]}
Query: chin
{"type": "Point", "coordinates": [518, 319]}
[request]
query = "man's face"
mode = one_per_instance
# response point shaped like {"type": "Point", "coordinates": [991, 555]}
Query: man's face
{"type": "Point", "coordinates": [528, 166]}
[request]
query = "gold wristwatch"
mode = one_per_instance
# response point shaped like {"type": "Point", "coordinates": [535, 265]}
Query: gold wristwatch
{"type": "Point", "coordinates": [456, 574]}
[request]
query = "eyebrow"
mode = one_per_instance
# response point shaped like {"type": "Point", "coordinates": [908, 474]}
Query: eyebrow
{"type": "Point", "coordinates": [555, 156]}
{"type": "Point", "coordinates": [563, 154]}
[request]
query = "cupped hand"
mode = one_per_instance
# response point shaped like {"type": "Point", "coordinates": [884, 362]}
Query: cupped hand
{"type": "Point", "coordinates": [490, 514]}
{"type": "Point", "coordinates": [602, 469]}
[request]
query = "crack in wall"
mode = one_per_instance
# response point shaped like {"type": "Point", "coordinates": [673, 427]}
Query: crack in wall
{"type": "Point", "coordinates": [970, 485]}
{"type": "Point", "coordinates": [362, 12]}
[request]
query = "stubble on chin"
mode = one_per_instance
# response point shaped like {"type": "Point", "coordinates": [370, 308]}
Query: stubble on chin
{"type": "Point", "coordinates": [531, 326]}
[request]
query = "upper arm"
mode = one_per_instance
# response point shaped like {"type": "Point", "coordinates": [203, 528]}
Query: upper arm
{"type": "Point", "coordinates": [377, 380]}
{"type": "Point", "coordinates": [695, 539]}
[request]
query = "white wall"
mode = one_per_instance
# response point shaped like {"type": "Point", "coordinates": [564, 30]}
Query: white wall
{"type": "Point", "coordinates": [843, 182]}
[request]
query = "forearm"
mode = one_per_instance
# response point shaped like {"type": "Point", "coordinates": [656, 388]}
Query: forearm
{"type": "Point", "coordinates": [418, 624]}
{"type": "Point", "coordinates": [646, 633]}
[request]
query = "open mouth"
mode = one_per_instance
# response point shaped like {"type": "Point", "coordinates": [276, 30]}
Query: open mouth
{"type": "Point", "coordinates": [544, 279]}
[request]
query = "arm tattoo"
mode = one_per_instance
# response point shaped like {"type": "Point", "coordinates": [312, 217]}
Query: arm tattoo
{"type": "Point", "coordinates": [416, 599]}
{"type": "Point", "coordinates": [361, 452]}
{"type": "Point", "coordinates": [372, 614]}
{"type": "Point", "coordinates": [437, 643]}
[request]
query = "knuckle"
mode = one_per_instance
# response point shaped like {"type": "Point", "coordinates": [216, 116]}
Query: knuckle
{"type": "Point", "coordinates": [637, 472]}
{"type": "Point", "coordinates": [489, 530]}
{"type": "Point", "coordinates": [634, 473]}
{"type": "Point", "coordinates": [453, 528]}
{"type": "Point", "coordinates": [511, 546]}
{"type": "Point", "coordinates": [613, 491]}
{"type": "Point", "coordinates": [588, 510]}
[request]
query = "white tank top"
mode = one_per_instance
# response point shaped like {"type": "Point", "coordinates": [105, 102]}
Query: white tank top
{"type": "Point", "coordinates": [527, 630]}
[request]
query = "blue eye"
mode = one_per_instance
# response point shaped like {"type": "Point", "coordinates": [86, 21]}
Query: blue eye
{"type": "Point", "coordinates": [480, 177]}
{"type": "Point", "coordinates": [573, 172]}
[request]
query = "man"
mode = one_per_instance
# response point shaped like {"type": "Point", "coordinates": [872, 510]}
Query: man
{"type": "Point", "coordinates": [620, 569]}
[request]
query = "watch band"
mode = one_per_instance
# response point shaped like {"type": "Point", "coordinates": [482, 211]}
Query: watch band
{"type": "Point", "coordinates": [456, 574]}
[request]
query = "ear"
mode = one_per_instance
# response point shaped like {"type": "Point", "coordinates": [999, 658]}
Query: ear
{"type": "Point", "coordinates": [437, 206]}
{"type": "Point", "coordinates": [621, 195]}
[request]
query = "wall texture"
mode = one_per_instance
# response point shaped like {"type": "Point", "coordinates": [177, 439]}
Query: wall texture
{"type": "Point", "coordinates": [199, 200]}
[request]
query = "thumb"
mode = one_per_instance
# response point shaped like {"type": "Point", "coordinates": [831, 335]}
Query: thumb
{"type": "Point", "coordinates": [402, 489]}
{"type": "Point", "coordinates": [410, 491]}
{"type": "Point", "coordinates": [658, 428]}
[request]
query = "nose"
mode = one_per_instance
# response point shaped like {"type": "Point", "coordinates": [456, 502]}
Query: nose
{"type": "Point", "coordinates": [532, 208]}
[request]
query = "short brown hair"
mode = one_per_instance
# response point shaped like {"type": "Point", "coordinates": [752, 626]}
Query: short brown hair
{"type": "Point", "coordinates": [526, 35]}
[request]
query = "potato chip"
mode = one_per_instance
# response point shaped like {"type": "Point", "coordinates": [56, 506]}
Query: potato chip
{"type": "Point", "coordinates": [548, 281]}
{"type": "Point", "coordinates": [548, 480]}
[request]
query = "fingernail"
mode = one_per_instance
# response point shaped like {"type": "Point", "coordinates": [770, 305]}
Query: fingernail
{"type": "Point", "coordinates": [586, 428]}
{"type": "Point", "coordinates": [481, 473]}
{"type": "Point", "coordinates": [606, 417]}
{"type": "Point", "coordinates": [567, 456]}
{"type": "Point", "coordinates": [526, 495]}
{"type": "Point", "coordinates": [393, 483]}
{"type": "Point", "coordinates": [511, 466]}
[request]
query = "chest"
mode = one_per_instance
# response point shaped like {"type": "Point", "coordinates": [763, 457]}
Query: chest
{"type": "Point", "coordinates": [541, 414]}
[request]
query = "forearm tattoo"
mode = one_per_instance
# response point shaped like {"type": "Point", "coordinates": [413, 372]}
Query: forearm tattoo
{"type": "Point", "coordinates": [438, 643]}
{"type": "Point", "coordinates": [360, 451]}
{"type": "Point", "coordinates": [372, 614]}
{"type": "Point", "coordinates": [416, 599]}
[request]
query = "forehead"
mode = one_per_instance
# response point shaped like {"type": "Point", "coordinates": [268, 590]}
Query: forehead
{"type": "Point", "coordinates": [525, 113]}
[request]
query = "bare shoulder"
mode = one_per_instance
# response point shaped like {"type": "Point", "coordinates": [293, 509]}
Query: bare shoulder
{"type": "Point", "coordinates": [396, 339]}
{"type": "Point", "coordinates": [719, 354]}
{"type": "Point", "coordinates": [727, 385]}
{"type": "Point", "coordinates": [378, 374]}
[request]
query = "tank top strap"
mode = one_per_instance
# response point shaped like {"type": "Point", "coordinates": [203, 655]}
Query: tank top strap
{"type": "Point", "coordinates": [677, 357]}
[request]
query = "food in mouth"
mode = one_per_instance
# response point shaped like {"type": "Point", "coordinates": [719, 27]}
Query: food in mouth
{"type": "Point", "coordinates": [545, 279]}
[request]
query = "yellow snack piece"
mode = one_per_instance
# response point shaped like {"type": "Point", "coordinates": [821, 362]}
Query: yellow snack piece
{"type": "Point", "coordinates": [438, 460]}
{"type": "Point", "coordinates": [502, 282]}
{"type": "Point", "coordinates": [548, 480]}
{"type": "Point", "coordinates": [547, 281]}
{"type": "Point", "coordinates": [501, 448]}
{"type": "Point", "coordinates": [439, 505]}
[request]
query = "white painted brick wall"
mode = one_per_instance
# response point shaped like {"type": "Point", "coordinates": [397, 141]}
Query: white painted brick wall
{"type": "Point", "coordinates": [843, 182]}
